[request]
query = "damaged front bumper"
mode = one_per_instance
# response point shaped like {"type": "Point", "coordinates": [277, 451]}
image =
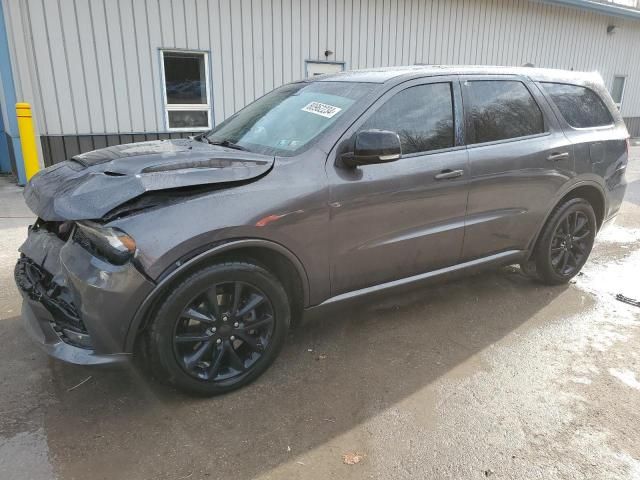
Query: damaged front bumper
{"type": "Point", "coordinates": [76, 306]}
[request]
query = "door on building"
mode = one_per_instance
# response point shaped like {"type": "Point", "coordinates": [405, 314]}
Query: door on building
{"type": "Point", "coordinates": [320, 67]}
{"type": "Point", "coordinates": [398, 219]}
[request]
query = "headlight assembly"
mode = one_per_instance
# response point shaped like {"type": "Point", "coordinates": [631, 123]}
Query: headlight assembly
{"type": "Point", "coordinates": [110, 243]}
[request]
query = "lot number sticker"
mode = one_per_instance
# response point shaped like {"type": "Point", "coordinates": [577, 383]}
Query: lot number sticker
{"type": "Point", "coordinates": [321, 109]}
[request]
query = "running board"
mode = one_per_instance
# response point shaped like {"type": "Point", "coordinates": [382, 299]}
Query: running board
{"type": "Point", "coordinates": [499, 258]}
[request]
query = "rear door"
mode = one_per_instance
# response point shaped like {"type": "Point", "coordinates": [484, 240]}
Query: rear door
{"type": "Point", "coordinates": [394, 220]}
{"type": "Point", "coordinates": [518, 159]}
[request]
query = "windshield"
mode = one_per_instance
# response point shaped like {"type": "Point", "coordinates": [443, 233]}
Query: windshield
{"type": "Point", "coordinates": [287, 119]}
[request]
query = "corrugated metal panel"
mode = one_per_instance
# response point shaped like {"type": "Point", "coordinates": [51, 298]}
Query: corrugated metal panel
{"type": "Point", "coordinates": [92, 66]}
{"type": "Point", "coordinates": [57, 148]}
{"type": "Point", "coordinates": [633, 125]}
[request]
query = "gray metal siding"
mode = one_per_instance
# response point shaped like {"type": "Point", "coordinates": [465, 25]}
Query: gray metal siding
{"type": "Point", "coordinates": [57, 148]}
{"type": "Point", "coordinates": [633, 125]}
{"type": "Point", "coordinates": [93, 66]}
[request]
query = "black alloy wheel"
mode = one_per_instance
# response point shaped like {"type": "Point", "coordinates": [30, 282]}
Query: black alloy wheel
{"type": "Point", "coordinates": [223, 331]}
{"type": "Point", "coordinates": [219, 329]}
{"type": "Point", "coordinates": [570, 245]}
{"type": "Point", "coordinates": [565, 242]}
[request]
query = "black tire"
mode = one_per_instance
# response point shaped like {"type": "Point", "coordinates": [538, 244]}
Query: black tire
{"type": "Point", "coordinates": [212, 356]}
{"type": "Point", "coordinates": [565, 242]}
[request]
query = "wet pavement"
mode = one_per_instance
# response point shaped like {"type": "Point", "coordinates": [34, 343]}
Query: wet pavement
{"type": "Point", "coordinates": [489, 376]}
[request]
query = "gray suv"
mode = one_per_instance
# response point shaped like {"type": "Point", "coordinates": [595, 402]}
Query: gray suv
{"type": "Point", "coordinates": [198, 254]}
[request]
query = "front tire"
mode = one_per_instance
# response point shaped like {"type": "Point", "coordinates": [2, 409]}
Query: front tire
{"type": "Point", "coordinates": [565, 242]}
{"type": "Point", "coordinates": [219, 329]}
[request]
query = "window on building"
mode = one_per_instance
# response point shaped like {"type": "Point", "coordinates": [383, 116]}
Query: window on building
{"type": "Point", "coordinates": [617, 90]}
{"type": "Point", "coordinates": [501, 109]}
{"type": "Point", "coordinates": [581, 107]}
{"type": "Point", "coordinates": [186, 96]}
{"type": "Point", "coordinates": [422, 116]}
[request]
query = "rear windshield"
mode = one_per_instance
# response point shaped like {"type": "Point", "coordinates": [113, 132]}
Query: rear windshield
{"type": "Point", "coordinates": [581, 107]}
{"type": "Point", "coordinates": [286, 120]}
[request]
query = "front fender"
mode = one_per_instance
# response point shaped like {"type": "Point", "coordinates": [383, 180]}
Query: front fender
{"type": "Point", "coordinates": [183, 266]}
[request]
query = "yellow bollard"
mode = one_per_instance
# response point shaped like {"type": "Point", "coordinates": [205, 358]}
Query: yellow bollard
{"type": "Point", "coordinates": [27, 140]}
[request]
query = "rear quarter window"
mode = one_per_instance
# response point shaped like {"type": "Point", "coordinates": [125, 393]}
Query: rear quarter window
{"type": "Point", "coordinates": [581, 107]}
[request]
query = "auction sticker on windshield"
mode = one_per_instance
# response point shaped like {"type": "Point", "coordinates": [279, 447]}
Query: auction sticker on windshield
{"type": "Point", "coordinates": [321, 109]}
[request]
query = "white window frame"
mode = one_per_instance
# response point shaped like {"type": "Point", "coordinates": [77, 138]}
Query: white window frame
{"type": "Point", "coordinates": [168, 107]}
{"type": "Point", "coordinates": [624, 87]}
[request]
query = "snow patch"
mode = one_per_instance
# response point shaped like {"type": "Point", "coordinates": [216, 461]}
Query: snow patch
{"type": "Point", "coordinates": [626, 376]}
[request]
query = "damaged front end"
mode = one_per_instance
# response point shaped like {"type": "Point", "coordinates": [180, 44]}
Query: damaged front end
{"type": "Point", "coordinates": [79, 275]}
{"type": "Point", "coordinates": [91, 185]}
{"type": "Point", "coordinates": [78, 301]}
{"type": "Point", "coordinates": [38, 285]}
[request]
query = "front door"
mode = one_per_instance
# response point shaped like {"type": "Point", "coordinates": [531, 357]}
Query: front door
{"type": "Point", "coordinates": [395, 220]}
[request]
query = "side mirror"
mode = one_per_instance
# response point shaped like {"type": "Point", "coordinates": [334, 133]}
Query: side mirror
{"type": "Point", "coordinates": [373, 146]}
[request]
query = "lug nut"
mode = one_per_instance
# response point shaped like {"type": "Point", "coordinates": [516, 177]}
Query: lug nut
{"type": "Point", "coordinates": [225, 318]}
{"type": "Point", "coordinates": [232, 337]}
{"type": "Point", "coordinates": [236, 324]}
{"type": "Point", "coordinates": [219, 341]}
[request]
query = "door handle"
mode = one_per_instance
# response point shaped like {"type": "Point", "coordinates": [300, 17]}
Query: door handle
{"type": "Point", "coordinates": [555, 156]}
{"type": "Point", "coordinates": [448, 174]}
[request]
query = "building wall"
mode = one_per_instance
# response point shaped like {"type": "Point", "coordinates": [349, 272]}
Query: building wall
{"type": "Point", "coordinates": [93, 66]}
{"type": "Point", "coordinates": [10, 153]}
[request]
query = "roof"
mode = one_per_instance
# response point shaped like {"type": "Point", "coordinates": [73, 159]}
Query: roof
{"type": "Point", "coordinates": [386, 74]}
{"type": "Point", "coordinates": [600, 6]}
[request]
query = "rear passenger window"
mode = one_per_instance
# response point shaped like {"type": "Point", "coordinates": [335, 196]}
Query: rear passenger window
{"type": "Point", "coordinates": [422, 116]}
{"type": "Point", "coordinates": [501, 109]}
{"type": "Point", "coordinates": [581, 107]}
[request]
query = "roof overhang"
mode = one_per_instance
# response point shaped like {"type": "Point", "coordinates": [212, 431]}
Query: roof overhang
{"type": "Point", "coordinates": [600, 7]}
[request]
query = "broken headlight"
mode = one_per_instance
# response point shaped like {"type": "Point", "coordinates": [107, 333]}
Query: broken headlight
{"type": "Point", "coordinates": [110, 243]}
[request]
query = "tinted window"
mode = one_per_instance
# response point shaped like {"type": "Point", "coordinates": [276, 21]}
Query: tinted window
{"type": "Point", "coordinates": [580, 106]}
{"type": "Point", "coordinates": [501, 109]}
{"type": "Point", "coordinates": [422, 116]}
{"type": "Point", "coordinates": [184, 78]}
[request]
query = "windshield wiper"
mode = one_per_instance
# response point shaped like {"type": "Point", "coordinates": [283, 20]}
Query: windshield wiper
{"type": "Point", "coordinates": [225, 143]}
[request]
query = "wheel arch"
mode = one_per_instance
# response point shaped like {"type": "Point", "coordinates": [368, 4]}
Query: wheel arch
{"type": "Point", "coordinates": [593, 195]}
{"type": "Point", "coordinates": [283, 263]}
{"type": "Point", "coordinates": [590, 191]}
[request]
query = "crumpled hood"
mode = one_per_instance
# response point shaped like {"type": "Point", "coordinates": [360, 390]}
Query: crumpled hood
{"type": "Point", "coordinates": [92, 184]}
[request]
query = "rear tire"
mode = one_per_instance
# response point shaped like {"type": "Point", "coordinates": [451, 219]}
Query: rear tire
{"type": "Point", "coordinates": [219, 329]}
{"type": "Point", "coordinates": [565, 242]}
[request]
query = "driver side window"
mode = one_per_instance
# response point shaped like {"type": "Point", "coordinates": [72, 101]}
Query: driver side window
{"type": "Point", "coordinates": [422, 116]}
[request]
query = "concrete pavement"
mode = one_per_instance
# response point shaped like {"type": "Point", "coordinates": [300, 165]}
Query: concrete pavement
{"type": "Point", "coordinates": [490, 376]}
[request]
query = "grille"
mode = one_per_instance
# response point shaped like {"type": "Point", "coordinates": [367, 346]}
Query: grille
{"type": "Point", "coordinates": [38, 285]}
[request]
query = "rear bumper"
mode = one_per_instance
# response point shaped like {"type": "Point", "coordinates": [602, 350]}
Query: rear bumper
{"type": "Point", "coordinates": [38, 323]}
{"type": "Point", "coordinates": [616, 188]}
